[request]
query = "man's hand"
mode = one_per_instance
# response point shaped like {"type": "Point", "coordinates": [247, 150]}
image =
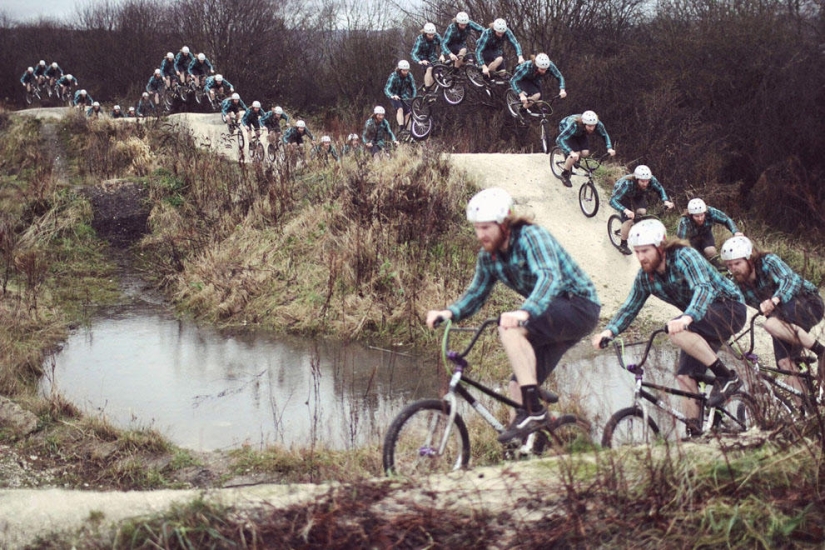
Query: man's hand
{"type": "Point", "coordinates": [433, 315]}
{"type": "Point", "coordinates": [574, 155]}
{"type": "Point", "coordinates": [562, 93]}
{"type": "Point", "coordinates": [453, 56]}
{"type": "Point", "coordinates": [395, 97]}
{"type": "Point", "coordinates": [669, 205]}
{"type": "Point", "coordinates": [630, 214]}
{"type": "Point", "coordinates": [768, 306]}
{"type": "Point", "coordinates": [680, 324]}
{"type": "Point", "coordinates": [521, 59]}
{"type": "Point", "coordinates": [511, 319]}
{"type": "Point", "coordinates": [597, 338]}
{"type": "Point", "coordinates": [611, 152]}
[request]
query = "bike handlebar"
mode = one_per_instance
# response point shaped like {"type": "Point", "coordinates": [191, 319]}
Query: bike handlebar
{"type": "Point", "coordinates": [618, 346]}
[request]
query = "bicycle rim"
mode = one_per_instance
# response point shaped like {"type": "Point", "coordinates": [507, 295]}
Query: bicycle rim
{"type": "Point", "coordinates": [738, 415]}
{"type": "Point", "coordinates": [556, 161]}
{"type": "Point", "coordinates": [569, 434]}
{"type": "Point", "coordinates": [420, 129]}
{"type": "Point", "coordinates": [413, 441]}
{"type": "Point", "coordinates": [627, 428]}
{"type": "Point", "coordinates": [545, 137]}
{"type": "Point", "coordinates": [420, 109]}
{"type": "Point", "coordinates": [614, 230]}
{"type": "Point", "coordinates": [588, 199]}
{"type": "Point", "coordinates": [454, 94]}
{"type": "Point", "coordinates": [513, 103]}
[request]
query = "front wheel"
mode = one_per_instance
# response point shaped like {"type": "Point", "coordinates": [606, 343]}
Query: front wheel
{"type": "Point", "coordinates": [422, 440]}
{"type": "Point", "coordinates": [557, 158]}
{"type": "Point", "coordinates": [454, 94]}
{"type": "Point", "coordinates": [420, 129]}
{"type": "Point", "coordinates": [569, 434]}
{"type": "Point", "coordinates": [475, 76]}
{"type": "Point", "coordinates": [513, 103]}
{"type": "Point", "coordinates": [420, 108]}
{"type": "Point", "coordinates": [627, 427]}
{"type": "Point", "coordinates": [545, 136]}
{"type": "Point", "coordinates": [275, 153]}
{"type": "Point", "coordinates": [614, 230]}
{"type": "Point", "coordinates": [443, 76]}
{"type": "Point", "coordinates": [589, 199]}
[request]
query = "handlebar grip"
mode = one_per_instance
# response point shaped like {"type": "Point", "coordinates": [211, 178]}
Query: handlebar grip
{"type": "Point", "coordinates": [438, 321]}
{"type": "Point", "coordinates": [604, 342]}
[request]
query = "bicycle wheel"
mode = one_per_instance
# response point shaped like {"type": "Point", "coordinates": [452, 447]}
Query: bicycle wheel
{"type": "Point", "coordinates": [275, 153]}
{"type": "Point", "coordinates": [239, 133]}
{"type": "Point", "coordinates": [513, 103]}
{"type": "Point", "coordinates": [420, 129]}
{"type": "Point", "coordinates": [545, 136]}
{"type": "Point", "coordinates": [258, 152]}
{"type": "Point", "coordinates": [614, 230]}
{"type": "Point", "coordinates": [738, 415]}
{"type": "Point", "coordinates": [168, 100]}
{"type": "Point", "coordinates": [29, 98]}
{"type": "Point", "coordinates": [414, 439]}
{"type": "Point", "coordinates": [569, 434]}
{"type": "Point", "coordinates": [626, 427]}
{"type": "Point", "coordinates": [420, 108]}
{"type": "Point", "coordinates": [443, 76]}
{"type": "Point", "coordinates": [455, 93]}
{"type": "Point", "coordinates": [557, 161]}
{"type": "Point", "coordinates": [589, 199]}
{"type": "Point", "coordinates": [475, 76]}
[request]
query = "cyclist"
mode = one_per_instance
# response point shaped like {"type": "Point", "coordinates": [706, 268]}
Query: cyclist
{"type": "Point", "coordinates": [200, 68]}
{"type": "Point", "coordinates": [573, 138]}
{"type": "Point", "coordinates": [454, 42]}
{"type": "Point", "coordinates": [145, 106]}
{"type": "Point", "coordinates": [155, 86]}
{"type": "Point", "coordinates": [713, 309]}
{"type": "Point", "coordinates": [526, 79]}
{"type": "Point", "coordinates": [40, 72]}
{"type": "Point", "coordinates": [252, 120]}
{"type": "Point", "coordinates": [294, 136]}
{"type": "Point", "coordinates": [272, 122]}
{"type": "Point", "coordinates": [629, 198]}
{"type": "Point", "coordinates": [426, 51]}
{"type": "Point", "coordinates": [696, 226]}
{"type": "Point", "coordinates": [353, 145]}
{"type": "Point", "coordinates": [324, 150]}
{"type": "Point", "coordinates": [182, 61]}
{"type": "Point", "coordinates": [231, 108]}
{"type": "Point", "coordinates": [95, 111]}
{"type": "Point", "coordinates": [82, 99]}
{"type": "Point", "coordinates": [400, 89]}
{"type": "Point", "coordinates": [377, 131]}
{"type": "Point", "coordinates": [167, 69]}
{"type": "Point", "coordinates": [131, 113]}
{"type": "Point", "coordinates": [490, 47]}
{"type": "Point", "coordinates": [560, 307]}
{"type": "Point", "coordinates": [116, 112]}
{"type": "Point", "coordinates": [53, 72]}
{"type": "Point", "coordinates": [65, 84]}
{"type": "Point", "coordinates": [791, 305]}
{"type": "Point", "coordinates": [218, 87]}
{"type": "Point", "coordinates": [29, 80]}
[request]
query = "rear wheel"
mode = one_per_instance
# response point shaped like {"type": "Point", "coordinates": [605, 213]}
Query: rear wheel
{"type": "Point", "coordinates": [513, 103]}
{"type": "Point", "coordinates": [569, 434]}
{"type": "Point", "coordinates": [239, 133]}
{"type": "Point", "coordinates": [420, 108]}
{"type": "Point", "coordinates": [420, 129]}
{"type": "Point", "coordinates": [455, 93]}
{"type": "Point", "coordinates": [443, 76]}
{"type": "Point", "coordinates": [739, 414]}
{"type": "Point", "coordinates": [588, 199]}
{"type": "Point", "coordinates": [422, 440]}
{"type": "Point", "coordinates": [627, 427]}
{"type": "Point", "coordinates": [614, 230]}
{"type": "Point", "coordinates": [275, 153]}
{"type": "Point", "coordinates": [474, 75]}
{"type": "Point", "coordinates": [557, 161]}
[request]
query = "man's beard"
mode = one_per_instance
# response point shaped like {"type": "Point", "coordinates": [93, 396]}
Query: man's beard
{"type": "Point", "coordinates": [495, 244]}
{"type": "Point", "coordinates": [742, 277]}
{"type": "Point", "coordinates": [652, 265]}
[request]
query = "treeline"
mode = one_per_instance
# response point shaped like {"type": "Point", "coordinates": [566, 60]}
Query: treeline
{"type": "Point", "coordinates": [723, 99]}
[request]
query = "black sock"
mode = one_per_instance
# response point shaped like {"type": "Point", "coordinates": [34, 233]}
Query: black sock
{"type": "Point", "coordinates": [720, 370]}
{"type": "Point", "coordinates": [530, 398]}
{"type": "Point", "coordinates": [817, 348]}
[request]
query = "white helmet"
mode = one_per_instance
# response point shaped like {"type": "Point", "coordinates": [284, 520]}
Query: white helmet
{"type": "Point", "coordinates": [236, 96]}
{"type": "Point", "coordinates": [256, 104]}
{"type": "Point", "coordinates": [279, 111]}
{"type": "Point", "coordinates": [131, 108]}
{"type": "Point", "coordinates": [590, 118]}
{"type": "Point", "coordinates": [145, 94]}
{"type": "Point", "coordinates": [201, 57]}
{"type": "Point", "coordinates": [737, 248]}
{"type": "Point", "coordinates": [157, 72]}
{"type": "Point", "coordinates": [647, 232]}
{"type": "Point", "coordinates": [54, 65]}
{"type": "Point", "coordinates": [300, 124]}
{"type": "Point", "coordinates": [69, 77]}
{"type": "Point", "coordinates": [83, 92]}
{"type": "Point", "coordinates": [642, 172]}
{"type": "Point", "coordinates": [500, 25]}
{"type": "Point", "coordinates": [697, 206]}
{"type": "Point", "coordinates": [404, 65]}
{"type": "Point", "coordinates": [116, 108]}
{"type": "Point", "coordinates": [42, 63]}
{"type": "Point", "coordinates": [379, 110]}
{"type": "Point", "coordinates": [185, 50]}
{"type": "Point", "coordinates": [491, 205]}
{"type": "Point", "coordinates": [462, 18]}
{"type": "Point", "coordinates": [326, 139]}
{"type": "Point", "coordinates": [170, 55]}
{"type": "Point", "coordinates": [352, 137]}
{"type": "Point", "coordinates": [219, 78]}
{"type": "Point", "coordinates": [96, 104]}
{"type": "Point", "coordinates": [543, 61]}
{"type": "Point", "coordinates": [429, 28]}
{"type": "Point", "coordinates": [30, 70]}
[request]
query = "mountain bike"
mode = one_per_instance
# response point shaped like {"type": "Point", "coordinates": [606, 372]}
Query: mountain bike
{"type": "Point", "coordinates": [615, 222]}
{"type": "Point", "coordinates": [586, 167]}
{"type": "Point", "coordinates": [233, 136]}
{"type": "Point", "coordinates": [451, 79]}
{"type": "Point", "coordinates": [430, 436]}
{"type": "Point", "coordinates": [420, 122]}
{"type": "Point", "coordinates": [538, 109]}
{"type": "Point", "coordinates": [275, 149]}
{"type": "Point", "coordinates": [256, 148]}
{"type": "Point", "coordinates": [634, 425]}
{"type": "Point", "coordinates": [780, 401]}
{"type": "Point", "coordinates": [32, 94]}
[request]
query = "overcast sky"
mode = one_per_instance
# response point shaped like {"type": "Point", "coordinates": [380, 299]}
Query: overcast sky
{"type": "Point", "coordinates": [26, 10]}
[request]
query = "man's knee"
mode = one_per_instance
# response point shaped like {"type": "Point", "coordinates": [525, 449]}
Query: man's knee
{"type": "Point", "coordinates": [686, 383]}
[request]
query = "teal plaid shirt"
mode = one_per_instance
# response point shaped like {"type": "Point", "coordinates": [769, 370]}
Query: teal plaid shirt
{"type": "Point", "coordinates": [535, 265]}
{"type": "Point", "coordinates": [775, 278]}
{"type": "Point", "coordinates": [689, 282]}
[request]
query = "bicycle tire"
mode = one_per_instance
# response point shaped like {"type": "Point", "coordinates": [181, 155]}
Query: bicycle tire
{"type": "Point", "coordinates": [614, 230]}
{"type": "Point", "coordinates": [420, 129]}
{"type": "Point", "coordinates": [739, 414]}
{"type": "Point", "coordinates": [475, 76]}
{"type": "Point", "coordinates": [420, 108]}
{"type": "Point", "coordinates": [569, 434]}
{"type": "Point", "coordinates": [513, 103]}
{"type": "Point", "coordinates": [455, 94]}
{"type": "Point", "coordinates": [626, 427]}
{"type": "Point", "coordinates": [589, 199]}
{"type": "Point", "coordinates": [412, 440]}
{"type": "Point", "coordinates": [557, 159]}
{"type": "Point", "coordinates": [545, 136]}
{"type": "Point", "coordinates": [239, 133]}
{"type": "Point", "coordinates": [275, 153]}
{"type": "Point", "coordinates": [442, 76]}
{"type": "Point", "coordinates": [258, 152]}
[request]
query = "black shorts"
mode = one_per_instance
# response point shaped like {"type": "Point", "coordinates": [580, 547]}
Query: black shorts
{"type": "Point", "coordinates": [563, 324]}
{"type": "Point", "coordinates": [805, 311]}
{"type": "Point", "coordinates": [703, 240]}
{"type": "Point", "coordinates": [488, 56]}
{"type": "Point", "coordinates": [633, 205]}
{"type": "Point", "coordinates": [401, 104]}
{"type": "Point", "coordinates": [579, 143]}
{"type": "Point", "coordinates": [723, 319]}
{"type": "Point", "coordinates": [530, 88]}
